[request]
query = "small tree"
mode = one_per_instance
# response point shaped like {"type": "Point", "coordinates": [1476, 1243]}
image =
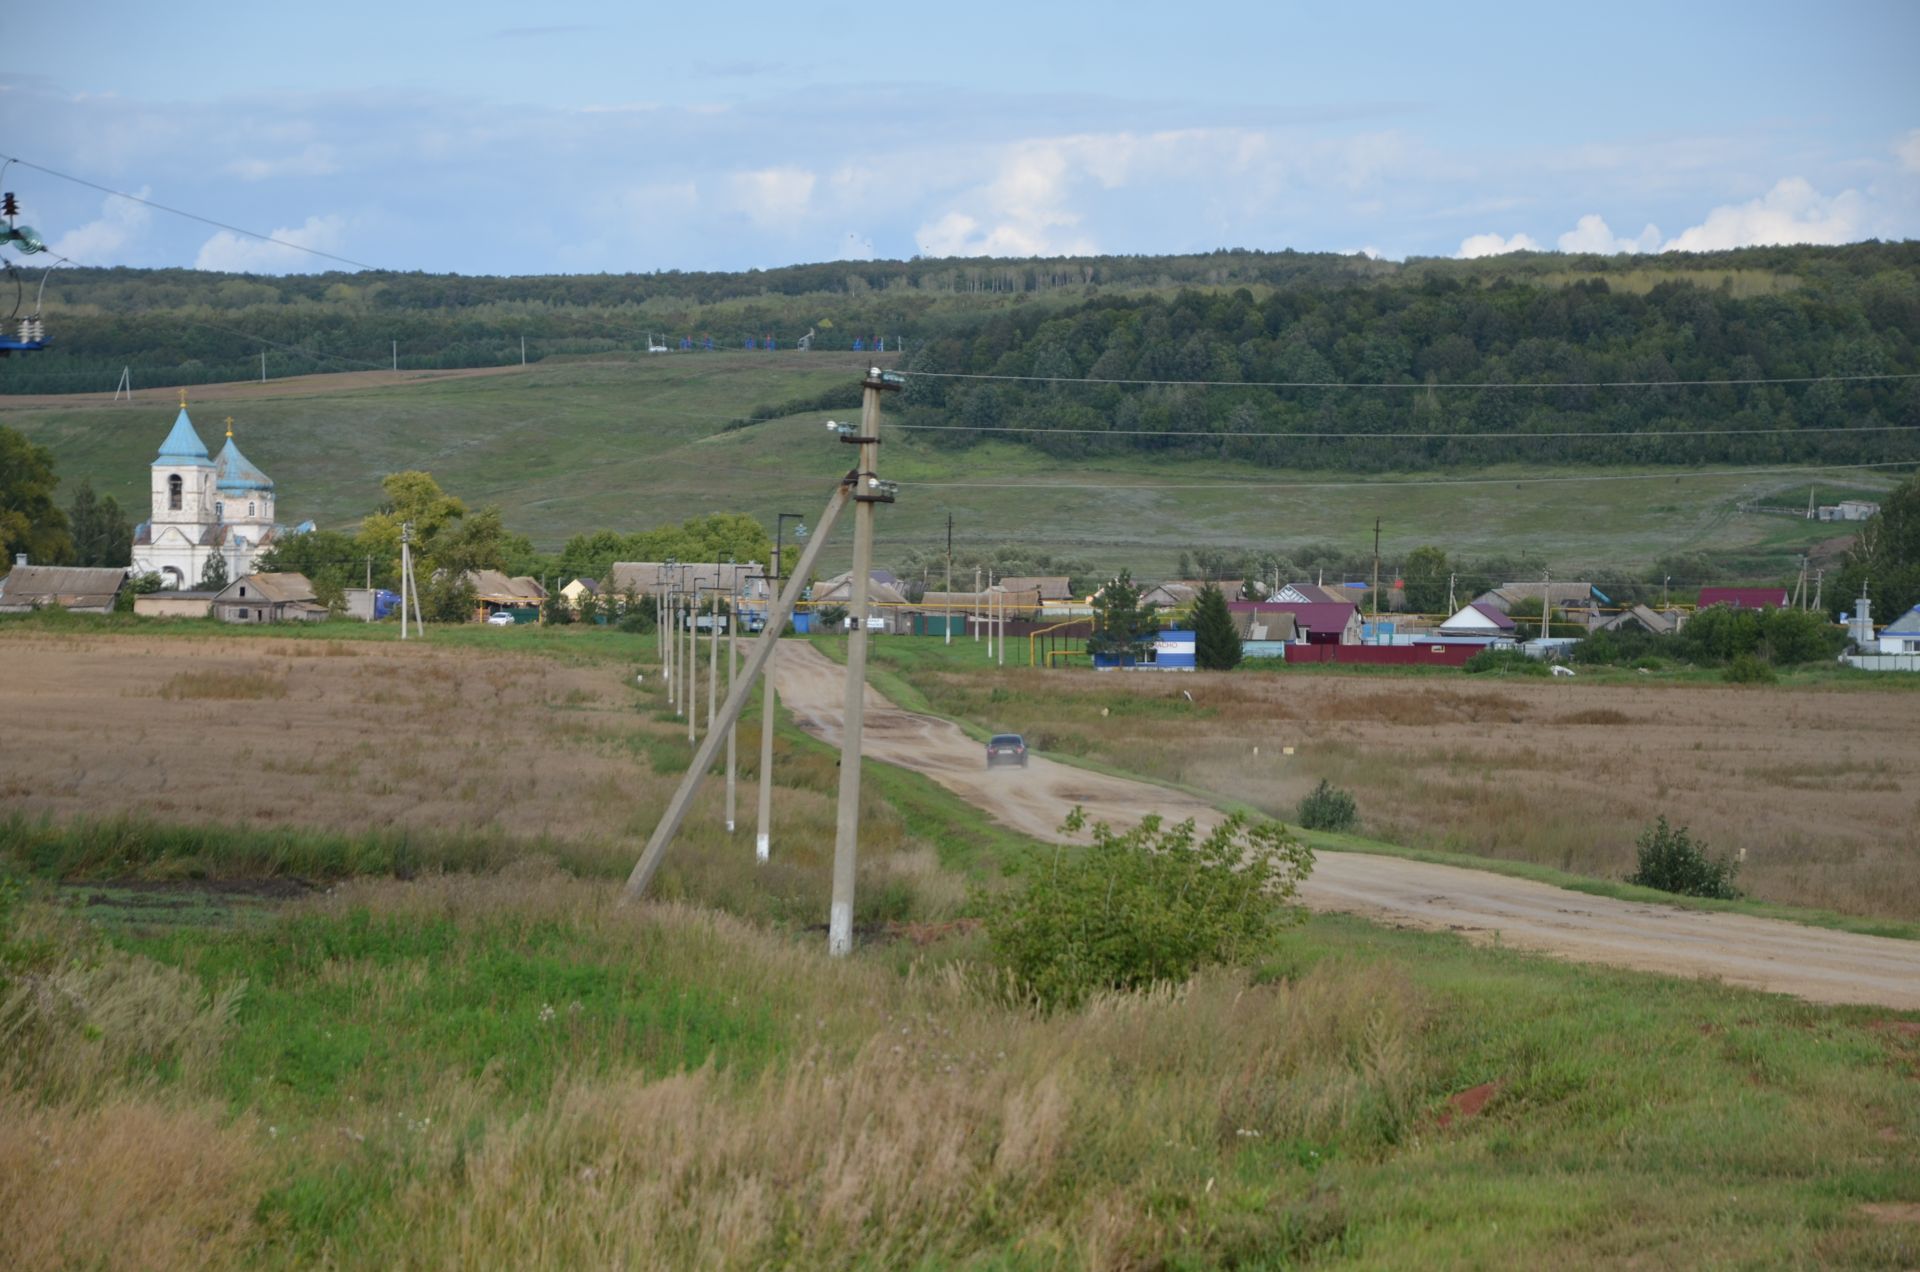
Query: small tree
{"type": "Point", "coordinates": [1327, 807]}
{"type": "Point", "coordinates": [214, 577]}
{"type": "Point", "coordinates": [1216, 642]}
{"type": "Point", "coordinates": [555, 610]}
{"type": "Point", "coordinates": [1122, 626]}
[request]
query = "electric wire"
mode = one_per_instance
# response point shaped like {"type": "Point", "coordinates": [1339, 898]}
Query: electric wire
{"type": "Point", "coordinates": [1456, 384]}
{"type": "Point", "coordinates": [191, 216]}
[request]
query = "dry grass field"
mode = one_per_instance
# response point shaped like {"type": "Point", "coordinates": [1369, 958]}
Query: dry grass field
{"type": "Point", "coordinates": [1807, 782]}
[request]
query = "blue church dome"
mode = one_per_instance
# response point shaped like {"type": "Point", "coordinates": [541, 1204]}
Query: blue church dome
{"type": "Point", "coordinates": [183, 445]}
{"type": "Point", "coordinates": [234, 473]}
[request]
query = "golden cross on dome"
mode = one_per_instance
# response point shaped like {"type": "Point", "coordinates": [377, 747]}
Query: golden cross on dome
{"type": "Point", "coordinates": [183, 399]}
{"type": "Point", "coordinates": [229, 426]}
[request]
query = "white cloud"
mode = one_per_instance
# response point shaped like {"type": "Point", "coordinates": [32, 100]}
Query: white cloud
{"type": "Point", "coordinates": [316, 160]}
{"type": "Point", "coordinates": [101, 241]}
{"type": "Point", "coordinates": [1591, 234]}
{"type": "Point", "coordinates": [1792, 212]}
{"type": "Point", "coordinates": [238, 254]}
{"type": "Point", "coordinates": [1493, 245]}
{"type": "Point", "coordinates": [1908, 150]}
{"type": "Point", "coordinates": [773, 197]}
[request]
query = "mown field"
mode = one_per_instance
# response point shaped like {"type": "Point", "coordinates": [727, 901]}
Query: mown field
{"type": "Point", "coordinates": [290, 1037]}
{"type": "Point", "coordinates": [568, 447]}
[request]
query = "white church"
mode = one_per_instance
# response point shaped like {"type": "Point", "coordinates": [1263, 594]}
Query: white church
{"type": "Point", "coordinates": [204, 507]}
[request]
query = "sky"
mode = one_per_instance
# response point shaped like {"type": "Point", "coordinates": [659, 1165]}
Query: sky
{"type": "Point", "coordinates": [489, 138]}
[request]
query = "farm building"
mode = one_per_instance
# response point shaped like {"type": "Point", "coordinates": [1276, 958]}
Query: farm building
{"type": "Point", "coordinates": [268, 598]}
{"type": "Point", "coordinates": [578, 590]}
{"type": "Point", "coordinates": [83, 589]}
{"type": "Point", "coordinates": [1643, 617]}
{"type": "Point", "coordinates": [495, 591]}
{"type": "Point", "coordinates": [1744, 597]}
{"type": "Point", "coordinates": [1265, 633]}
{"type": "Point", "coordinates": [165, 604]}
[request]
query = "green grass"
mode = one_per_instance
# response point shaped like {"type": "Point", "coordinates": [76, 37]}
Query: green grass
{"type": "Point", "coordinates": [565, 448]}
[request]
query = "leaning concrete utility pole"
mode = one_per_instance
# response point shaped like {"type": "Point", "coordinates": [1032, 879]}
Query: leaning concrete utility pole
{"type": "Point", "coordinates": [676, 810]}
{"type": "Point", "coordinates": [948, 624]}
{"type": "Point", "coordinates": [693, 662]}
{"type": "Point", "coordinates": [868, 490]}
{"type": "Point", "coordinates": [733, 666]}
{"type": "Point", "coordinates": [406, 571]}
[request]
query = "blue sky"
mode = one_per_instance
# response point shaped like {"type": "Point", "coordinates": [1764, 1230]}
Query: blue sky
{"type": "Point", "coordinates": [496, 138]}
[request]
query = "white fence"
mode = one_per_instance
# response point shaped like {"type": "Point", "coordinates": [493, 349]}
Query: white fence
{"type": "Point", "coordinates": [1883, 662]}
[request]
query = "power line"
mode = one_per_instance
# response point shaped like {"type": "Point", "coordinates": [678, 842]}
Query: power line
{"type": "Point", "coordinates": [191, 216]}
{"type": "Point", "coordinates": [1351, 384]}
{"type": "Point", "coordinates": [1267, 487]}
{"type": "Point", "coordinates": [1213, 437]}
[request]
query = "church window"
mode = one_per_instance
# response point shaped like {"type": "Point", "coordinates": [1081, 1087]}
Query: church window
{"type": "Point", "coordinates": [249, 507]}
{"type": "Point", "coordinates": [173, 492]}
{"type": "Point", "coordinates": [219, 511]}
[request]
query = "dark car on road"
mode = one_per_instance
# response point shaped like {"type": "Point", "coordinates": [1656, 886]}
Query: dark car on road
{"type": "Point", "coordinates": [1006, 748]}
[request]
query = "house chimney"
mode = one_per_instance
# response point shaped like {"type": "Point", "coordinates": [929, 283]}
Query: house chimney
{"type": "Point", "coordinates": [1860, 628]}
{"type": "Point", "coordinates": [19, 558]}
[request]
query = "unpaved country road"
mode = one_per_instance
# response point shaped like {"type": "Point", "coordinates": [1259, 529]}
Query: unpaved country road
{"type": "Point", "coordinates": [1786, 958]}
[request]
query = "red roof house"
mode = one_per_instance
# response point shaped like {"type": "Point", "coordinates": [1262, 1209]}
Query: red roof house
{"type": "Point", "coordinates": [1744, 597]}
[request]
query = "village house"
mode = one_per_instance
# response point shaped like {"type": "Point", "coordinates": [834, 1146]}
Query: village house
{"type": "Point", "coordinates": [1479, 619]}
{"type": "Point", "coordinates": [1315, 622]}
{"type": "Point", "coordinates": [1265, 632]}
{"type": "Point", "coordinates": [82, 589]}
{"type": "Point", "coordinates": [494, 591]}
{"type": "Point", "coordinates": [576, 592]}
{"type": "Point", "coordinates": [269, 598]}
{"type": "Point", "coordinates": [1902, 635]}
{"type": "Point", "coordinates": [186, 604]}
{"type": "Point", "coordinates": [1643, 617]}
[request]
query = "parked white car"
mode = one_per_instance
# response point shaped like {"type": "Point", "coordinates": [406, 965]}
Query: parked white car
{"type": "Point", "coordinates": [500, 619]}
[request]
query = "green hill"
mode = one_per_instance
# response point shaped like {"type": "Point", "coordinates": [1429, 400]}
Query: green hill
{"type": "Point", "coordinates": [568, 447]}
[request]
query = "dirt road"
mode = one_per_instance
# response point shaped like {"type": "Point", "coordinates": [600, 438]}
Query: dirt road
{"type": "Point", "coordinates": [1787, 958]}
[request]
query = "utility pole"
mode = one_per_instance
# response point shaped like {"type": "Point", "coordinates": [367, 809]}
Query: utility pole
{"type": "Point", "coordinates": [676, 810]}
{"type": "Point", "coordinates": [713, 661]}
{"type": "Point", "coordinates": [693, 660]}
{"type": "Point", "coordinates": [406, 571]}
{"type": "Point", "coordinates": [733, 652]}
{"type": "Point", "coordinates": [868, 491]}
{"type": "Point", "coordinates": [1003, 626]}
{"type": "Point", "coordinates": [976, 605]}
{"type": "Point", "coordinates": [263, 366]}
{"type": "Point", "coordinates": [949, 616]}
{"type": "Point", "coordinates": [1546, 601]}
{"type": "Point", "coordinates": [396, 357]}
{"type": "Point", "coordinates": [1819, 578]}
{"type": "Point", "coordinates": [523, 351]}
{"type": "Point", "coordinates": [1375, 590]}
{"type": "Point", "coordinates": [989, 615]}
{"type": "Point", "coordinates": [369, 571]}
{"type": "Point", "coordinates": [1451, 608]}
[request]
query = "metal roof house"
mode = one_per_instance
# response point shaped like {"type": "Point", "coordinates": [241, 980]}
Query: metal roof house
{"type": "Point", "coordinates": [1479, 618]}
{"type": "Point", "coordinates": [269, 598]}
{"type": "Point", "coordinates": [1315, 622]}
{"type": "Point", "coordinates": [1902, 635]}
{"type": "Point", "coordinates": [82, 589]}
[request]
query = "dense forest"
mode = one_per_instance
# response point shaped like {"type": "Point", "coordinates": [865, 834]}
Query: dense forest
{"type": "Point", "coordinates": [1450, 348]}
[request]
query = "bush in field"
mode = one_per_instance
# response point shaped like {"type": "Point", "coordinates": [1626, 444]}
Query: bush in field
{"type": "Point", "coordinates": [1671, 861]}
{"type": "Point", "coordinates": [1327, 807]}
{"type": "Point", "coordinates": [1790, 636]}
{"type": "Point", "coordinates": [1748, 669]}
{"type": "Point", "coordinates": [1504, 662]}
{"type": "Point", "coordinates": [1151, 905]}
{"type": "Point", "coordinates": [1718, 634]}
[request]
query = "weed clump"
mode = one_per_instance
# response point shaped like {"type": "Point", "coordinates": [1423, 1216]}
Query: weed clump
{"type": "Point", "coordinates": [1328, 807]}
{"type": "Point", "coordinates": [1149, 906]}
{"type": "Point", "coordinates": [1748, 669]}
{"type": "Point", "coordinates": [1504, 662]}
{"type": "Point", "coordinates": [1672, 861]}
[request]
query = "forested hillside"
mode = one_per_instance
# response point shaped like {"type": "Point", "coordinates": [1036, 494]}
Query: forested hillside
{"type": "Point", "coordinates": [1421, 325]}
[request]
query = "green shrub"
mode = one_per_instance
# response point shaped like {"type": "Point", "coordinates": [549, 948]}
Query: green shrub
{"type": "Point", "coordinates": [1748, 670]}
{"type": "Point", "coordinates": [1671, 861]}
{"type": "Point", "coordinates": [1327, 807]}
{"type": "Point", "coordinates": [1504, 662]}
{"type": "Point", "coordinates": [1150, 906]}
{"type": "Point", "coordinates": [1792, 636]}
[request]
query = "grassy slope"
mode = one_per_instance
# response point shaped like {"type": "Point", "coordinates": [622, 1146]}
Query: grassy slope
{"type": "Point", "coordinates": [565, 448]}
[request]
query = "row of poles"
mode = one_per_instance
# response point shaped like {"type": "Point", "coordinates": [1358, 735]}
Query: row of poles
{"type": "Point", "coordinates": [862, 488]}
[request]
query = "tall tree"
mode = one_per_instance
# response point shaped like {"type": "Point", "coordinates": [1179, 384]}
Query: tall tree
{"type": "Point", "coordinates": [1885, 558]}
{"type": "Point", "coordinates": [1425, 577]}
{"type": "Point", "coordinates": [1216, 642]}
{"type": "Point", "coordinates": [30, 521]}
{"type": "Point", "coordinates": [102, 535]}
{"type": "Point", "coordinates": [214, 577]}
